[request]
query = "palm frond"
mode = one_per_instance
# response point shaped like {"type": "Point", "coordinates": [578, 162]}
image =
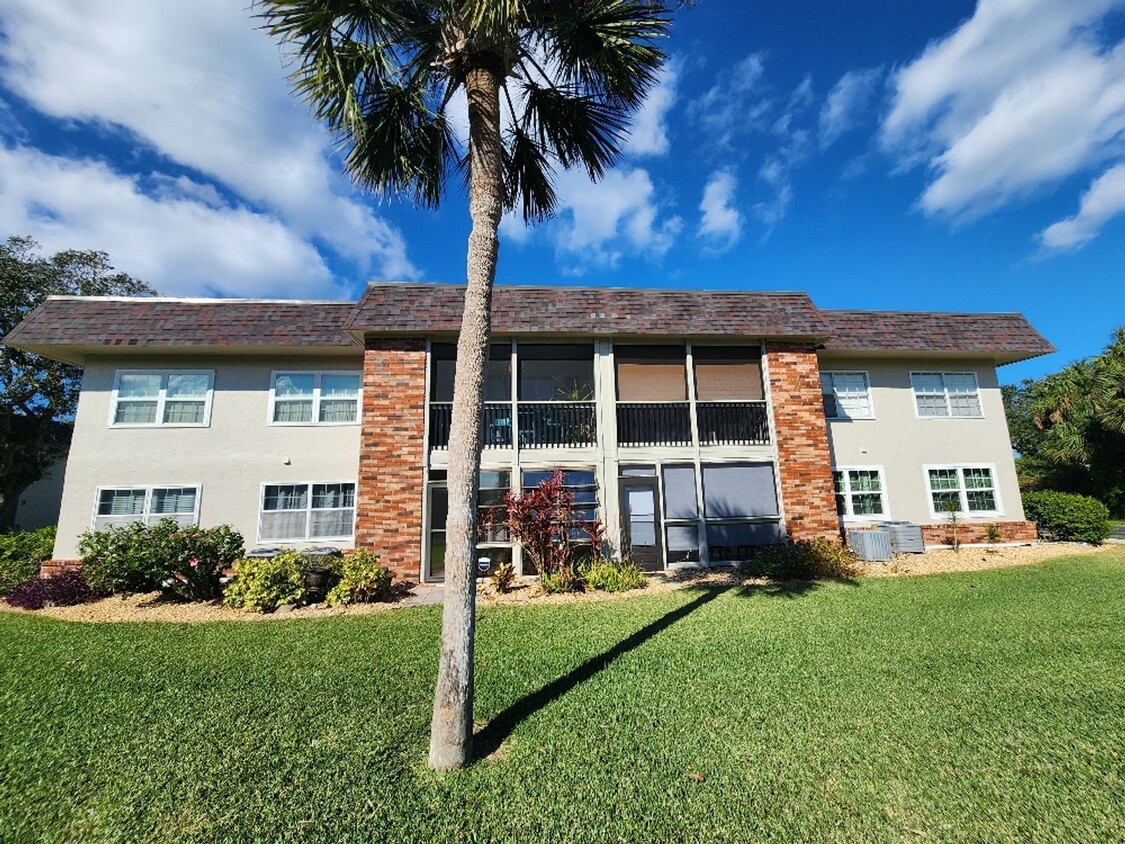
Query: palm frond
{"type": "Point", "coordinates": [575, 128]}
{"type": "Point", "coordinates": [527, 177]}
{"type": "Point", "coordinates": [605, 47]}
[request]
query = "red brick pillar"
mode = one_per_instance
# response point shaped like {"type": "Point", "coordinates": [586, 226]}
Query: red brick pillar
{"type": "Point", "coordinates": [804, 461]}
{"type": "Point", "coordinates": [391, 489]}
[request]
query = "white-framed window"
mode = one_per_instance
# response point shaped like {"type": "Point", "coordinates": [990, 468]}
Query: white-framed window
{"type": "Point", "coordinates": [161, 397]}
{"type": "Point", "coordinates": [314, 398]}
{"type": "Point", "coordinates": [970, 488]}
{"type": "Point", "coordinates": [307, 511]}
{"type": "Point", "coordinates": [121, 505]}
{"type": "Point", "coordinates": [846, 395]}
{"type": "Point", "coordinates": [946, 394]}
{"type": "Point", "coordinates": [861, 492]}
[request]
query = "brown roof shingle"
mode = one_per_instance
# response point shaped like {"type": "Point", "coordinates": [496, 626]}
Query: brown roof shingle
{"type": "Point", "coordinates": [92, 324]}
{"type": "Point", "coordinates": [1005, 338]}
{"type": "Point", "coordinates": [592, 311]}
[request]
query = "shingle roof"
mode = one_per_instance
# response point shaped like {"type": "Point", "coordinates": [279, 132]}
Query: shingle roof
{"type": "Point", "coordinates": [71, 328]}
{"type": "Point", "coordinates": [85, 325]}
{"type": "Point", "coordinates": [1002, 337]}
{"type": "Point", "coordinates": [436, 308]}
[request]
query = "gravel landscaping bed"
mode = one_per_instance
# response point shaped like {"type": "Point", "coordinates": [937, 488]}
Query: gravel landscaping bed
{"type": "Point", "coordinates": [153, 607]}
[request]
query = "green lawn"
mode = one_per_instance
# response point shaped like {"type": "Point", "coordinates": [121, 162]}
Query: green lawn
{"type": "Point", "coordinates": [978, 707]}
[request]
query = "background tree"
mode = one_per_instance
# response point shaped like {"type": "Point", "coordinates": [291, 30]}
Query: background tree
{"type": "Point", "coordinates": [38, 396]}
{"type": "Point", "coordinates": [547, 82]}
{"type": "Point", "coordinates": [1069, 427]}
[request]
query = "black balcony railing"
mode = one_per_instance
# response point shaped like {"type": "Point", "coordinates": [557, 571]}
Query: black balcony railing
{"type": "Point", "coordinates": [733, 423]}
{"type": "Point", "coordinates": [653, 423]}
{"type": "Point", "coordinates": [557, 424]}
{"type": "Point", "coordinates": [496, 426]}
{"type": "Point", "coordinates": [541, 425]}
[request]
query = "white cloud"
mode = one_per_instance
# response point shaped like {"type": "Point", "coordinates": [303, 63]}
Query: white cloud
{"type": "Point", "coordinates": [1018, 98]}
{"type": "Point", "coordinates": [1104, 200]}
{"type": "Point", "coordinates": [775, 172]}
{"type": "Point", "coordinates": [721, 224]}
{"type": "Point", "coordinates": [735, 104]}
{"type": "Point", "coordinates": [182, 241]}
{"type": "Point", "coordinates": [600, 223]}
{"type": "Point", "coordinates": [649, 132]}
{"type": "Point", "coordinates": [205, 87]}
{"type": "Point", "coordinates": [846, 102]}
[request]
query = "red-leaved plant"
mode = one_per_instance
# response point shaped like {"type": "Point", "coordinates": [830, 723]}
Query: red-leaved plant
{"type": "Point", "coordinates": [543, 520]}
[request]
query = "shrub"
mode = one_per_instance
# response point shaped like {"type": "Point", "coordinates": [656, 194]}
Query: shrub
{"type": "Point", "coordinates": [563, 580]}
{"type": "Point", "coordinates": [992, 533]}
{"type": "Point", "coordinates": [613, 576]}
{"type": "Point", "coordinates": [503, 577]}
{"type": "Point", "coordinates": [802, 559]}
{"type": "Point", "coordinates": [1062, 516]}
{"type": "Point", "coordinates": [262, 584]}
{"type": "Point", "coordinates": [64, 589]}
{"type": "Point", "coordinates": [362, 580]}
{"type": "Point", "coordinates": [140, 558]}
{"type": "Point", "coordinates": [21, 553]}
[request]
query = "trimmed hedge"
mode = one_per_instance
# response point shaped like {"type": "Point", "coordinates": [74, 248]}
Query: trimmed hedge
{"type": "Point", "coordinates": [21, 554]}
{"type": "Point", "coordinates": [1062, 516]}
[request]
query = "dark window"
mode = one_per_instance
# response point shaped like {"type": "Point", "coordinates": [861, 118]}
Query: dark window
{"type": "Point", "coordinates": [556, 372]}
{"type": "Point", "coordinates": [498, 372]}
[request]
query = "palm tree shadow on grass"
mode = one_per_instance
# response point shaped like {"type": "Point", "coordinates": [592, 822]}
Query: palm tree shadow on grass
{"type": "Point", "coordinates": [488, 740]}
{"type": "Point", "coordinates": [789, 588]}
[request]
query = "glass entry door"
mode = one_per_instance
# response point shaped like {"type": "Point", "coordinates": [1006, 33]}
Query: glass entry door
{"type": "Point", "coordinates": [641, 520]}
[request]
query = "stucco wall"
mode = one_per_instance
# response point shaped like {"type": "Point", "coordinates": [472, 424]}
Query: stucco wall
{"type": "Point", "coordinates": [230, 459]}
{"type": "Point", "coordinates": [902, 443]}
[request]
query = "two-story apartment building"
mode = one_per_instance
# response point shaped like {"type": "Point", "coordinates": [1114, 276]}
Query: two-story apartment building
{"type": "Point", "coordinates": [695, 425]}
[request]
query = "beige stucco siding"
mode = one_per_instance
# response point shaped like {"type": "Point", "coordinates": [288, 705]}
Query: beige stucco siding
{"type": "Point", "coordinates": [230, 459]}
{"type": "Point", "coordinates": [900, 442]}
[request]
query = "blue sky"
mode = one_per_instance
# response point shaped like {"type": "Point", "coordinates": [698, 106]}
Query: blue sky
{"type": "Point", "coordinates": [894, 154]}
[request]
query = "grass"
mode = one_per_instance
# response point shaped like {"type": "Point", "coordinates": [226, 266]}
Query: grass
{"type": "Point", "coordinates": [971, 707]}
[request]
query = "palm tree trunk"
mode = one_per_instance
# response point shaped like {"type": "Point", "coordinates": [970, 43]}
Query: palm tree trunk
{"type": "Point", "coordinates": [451, 731]}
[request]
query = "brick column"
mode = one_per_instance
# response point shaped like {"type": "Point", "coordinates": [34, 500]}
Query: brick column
{"type": "Point", "coordinates": [804, 462]}
{"type": "Point", "coordinates": [389, 498]}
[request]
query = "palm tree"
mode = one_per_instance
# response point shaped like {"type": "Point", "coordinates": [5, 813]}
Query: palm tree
{"type": "Point", "coordinates": [548, 82]}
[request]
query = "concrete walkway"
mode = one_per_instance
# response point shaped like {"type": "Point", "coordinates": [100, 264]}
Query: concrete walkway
{"type": "Point", "coordinates": [1117, 534]}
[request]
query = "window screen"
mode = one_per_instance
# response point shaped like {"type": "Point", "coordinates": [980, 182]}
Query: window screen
{"type": "Point", "coordinates": [739, 491]}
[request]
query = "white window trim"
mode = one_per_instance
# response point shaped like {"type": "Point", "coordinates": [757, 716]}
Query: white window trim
{"type": "Point", "coordinates": [886, 514]}
{"type": "Point", "coordinates": [161, 399]}
{"type": "Point", "coordinates": [870, 398]}
{"type": "Point", "coordinates": [945, 391]}
{"type": "Point", "coordinates": [149, 489]}
{"type": "Point", "coordinates": [308, 511]}
{"type": "Point", "coordinates": [965, 513]}
{"type": "Point", "coordinates": [318, 374]}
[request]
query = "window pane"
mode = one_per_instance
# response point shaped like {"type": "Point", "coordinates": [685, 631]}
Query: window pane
{"type": "Point", "coordinates": [943, 501]}
{"type": "Point", "coordinates": [838, 482]}
{"type": "Point", "coordinates": [867, 504]}
{"type": "Point", "coordinates": [651, 373]}
{"type": "Point", "coordinates": [556, 373]}
{"type": "Point", "coordinates": [188, 384]}
{"type": "Point", "coordinates": [679, 493]}
{"type": "Point", "coordinates": [286, 497]}
{"type": "Point", "coordinates": [739, 491]}
{"type": "Point", "coordinates": [338, 410]}
{"type": "Point", "coordinates": [138, 385]}
{"type": "Point", "coordinates": [294, 384]}
{"type": "Point", "coordinates": [339, 386]}
{"type": "Point", "coordinates": [964, 400]}
{"type": "Point", "coordinates": [864, 480]}
{"type": "Point", "coordinates": [851, 396]}
{"type": "Point", "coordinates": [331, 523]}
{"type": "Point", "coordinates": [333, 495]}
{"type": "Point", "coordinates": [292, 411]}
{"type": "Point", "coordinates": [173, 500]}
{"type": "Point", "coordinates": [135, 413]}
{"type": "Point", "coordinates": [121, 502]}
{"type": "Point", "coordinates": [841, 505]}
{"type": "Point", "coordinates": [184, 412]}
{"type": "Point", "coordinates": [978, 478]}
{"type": "Point", "coordinates": [284, 524]}
{"type": "Point", "coordinates": [944, 479]}
{"type": "Point", "coordinates": [981, 500]}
